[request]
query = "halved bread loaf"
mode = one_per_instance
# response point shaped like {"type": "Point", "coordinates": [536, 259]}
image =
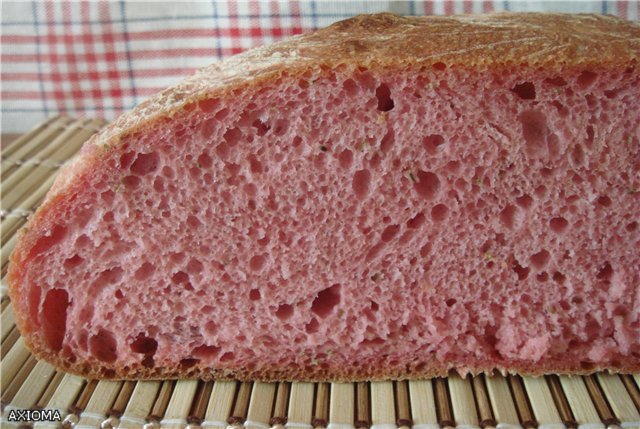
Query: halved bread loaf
{"type": "Point", "coordinates": [385, 198]}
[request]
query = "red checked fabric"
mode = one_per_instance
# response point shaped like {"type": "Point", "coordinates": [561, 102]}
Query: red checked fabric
{"type": "Point", "coordinates": [100, 58]}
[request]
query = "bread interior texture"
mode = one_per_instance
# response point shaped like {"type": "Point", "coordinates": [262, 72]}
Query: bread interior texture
{"type": "Point", "coordinates": [345, 221]}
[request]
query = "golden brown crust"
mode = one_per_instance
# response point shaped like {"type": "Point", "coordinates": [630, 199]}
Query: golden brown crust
{"type": "Point", "coordinates": [484, 42]}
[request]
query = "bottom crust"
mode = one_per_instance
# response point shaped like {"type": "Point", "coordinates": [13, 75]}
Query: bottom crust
{"type": "Point", "coordinates": [92, 370]}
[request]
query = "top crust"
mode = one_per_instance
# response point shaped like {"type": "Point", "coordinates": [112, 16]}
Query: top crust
{"type": "Point", "coordinates": [496, 41]}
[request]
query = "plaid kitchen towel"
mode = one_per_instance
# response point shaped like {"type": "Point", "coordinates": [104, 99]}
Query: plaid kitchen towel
{"type": "Point", "coordinates": [100, 58]}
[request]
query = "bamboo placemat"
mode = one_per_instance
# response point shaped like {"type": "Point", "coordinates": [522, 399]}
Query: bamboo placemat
{"type": "Point", "coordinates": [29, 165]}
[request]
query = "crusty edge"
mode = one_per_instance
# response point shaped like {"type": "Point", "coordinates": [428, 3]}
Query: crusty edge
{"type": "Point", "coordinates": [484, 42]}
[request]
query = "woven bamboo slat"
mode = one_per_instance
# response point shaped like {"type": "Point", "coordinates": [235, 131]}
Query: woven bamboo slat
{"type": "Point", "coordinates": [63, 397]}
{"type": "Point", "coordinates": [619, 400]}
{"type": "Point", "coordinates": [300, 406]}
{"type": "Point", "coordinates": [423, 404]}
{"type": "Point", "coordinates": [279, 417]}
{"type": "Point", "coordinates": [582, 408]}
{"type": "Point", "coordinates": [178, 408]}
{"type": "Point", "coordinates": [260, 404]}
{"type": "Point", "coordinates": [504, 409]}
{"type": "Point", "coordinates": [139, 405]}
{"type": "Point", "coordinates": [482, 400]}
{"type": "Point", "coordinates": [220, 404]}
{"type": "Point", "coordinates": [7, 323]}
{"type": "Point", "coordinates": [29, 167]}
{"type": "Point", "coordinates": [25, 149]}
{"type": "Point", "coordinates": [383, 413]}
{"type": "Point", "coordinates": [98, 406]}
{"type": "Point", "coordinates": [542, 403]}
{"type": "Point", "coordinates": [199, 403]}
{"type": "Point", "coordinates": [9, 149]}
{"type": "Point", "coordinates": [12, 363]}
{"type": "Point", "coordinates": [403, 405]}
{"type": "Point", "coordinates": [462, 402]}
{"type": "Point", "coordinates": [341, 408]}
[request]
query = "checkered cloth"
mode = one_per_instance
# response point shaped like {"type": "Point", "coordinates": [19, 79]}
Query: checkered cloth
{"type": "Point", "coordinates": [100, 58]}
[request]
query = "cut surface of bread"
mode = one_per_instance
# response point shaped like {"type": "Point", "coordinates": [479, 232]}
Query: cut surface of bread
{"type": "Point", "coordinates": [385, 198]}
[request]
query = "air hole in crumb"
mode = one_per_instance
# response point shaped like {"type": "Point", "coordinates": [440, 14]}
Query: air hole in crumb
{"type": "Point", "coordinates": [586, 79]}
{"type": "Point", "coordinates": [51, 238]}
{"type": "Point", "coordinates": [281, 126]}
{"type": "Point", "coordinates": [145, 163]}
{"type": "Point", "coordinates": [188, 362]}
{"type": "Point", "coordinates": [143, 344]}
{"type": "Point", "coordinates": [540, 259]}
{"type": "Point", "coordinates": [526, 90]}
{"type": "Point", "coordinates": [232, 136]}
{"type": "Point", "coordinates": [632, 226]}
{"type": "Point", "coordinates": [210, 327]}
{"type": "Point", "coordinates": [195, 266]}
{"type": "Point", "coordinates": [542, 277]}
{"type": "Point", "coordinates": [374, 252]}
{"type": "Point", "coordinates": [453, 166]}
{"type": "Point", "coordinates": [576, 156]}
{"type": "Point", "coordinates": [361, 183]}
{"type": "Point", "coordinates": [416, 221]}
{"type": "Point", "coordinates": [390, 232]}
{"type": "Point", "coordinates": [525, 201]}
{"type": "Point", "coordinates": [182, 278]}
{"type": "Point", "coordinates": [168, 172]}
{"type": "Point", "coordinates": [439, 212]}
{"type": "Point", "coordinates": [541, 191]}
{"type": "Point", "coordinates": [558, 277]}
{"type": "Point", "coordinates": [387, 141]}
{"type": "Point", "coordinates": [556, 81]}
{"type": "Point", "coordinates": [54, 313]}
{"type": "Point", "coordinates": [425, 250]}
{"type": "Point", "coordinates": [427, 184]}
{"type": "Point", "coordinates": [312, 327]}
{"type": "Point", "coordinates": [205, 351]}
{"type": "Point", "coordinates": [209, 105]}
{"type": "Point", "coordinates": [326, 300]}
{"type": "Point", "coordinates": [126, 159]}
{"type": "Point", "coordinates": [72, 262]}
{"type": "Point", "coordinates": [228, 356]}
{"type": "Point", "coordinates": [604, 201]}
{"type": "Point", "coordinates": [439, 66]}
{"type": "Point", "coordinates": [590, 135]}
{"type": "Point", "coordinates": [284, 311]}
{"type": "Point", "coordinates": [145, 271]}
{"type": "Point", "coordinates": [451, 302]}
{"type": "Point", "coordinates": [204, 161]}
{"type": "Point", "coordinates": [131, 182]}
{"type": "Point", "coordinates": [345, 158]}
{"type": "Point", "coordinates": [558, 225]}
{"type": "Point", "coordinates": [261, 127]}
{"type": "Point", "coordinates": [534, 131]}
{"type": "Point", "coordinates": [510, 217]}
{"type": "Point", "coordinates": [432, 143]}
{"type": "Point", "coordinates": [193, 222]}
{"type": "Point", "coordinates": [522, 272]}
{"type": "Point", "coordinates": [257, 262]}
{"type": "Point", "coordinates": [255, 166]}
{"type": "Point", "coordinates": [103, 346]}
{"type": "Point", "coordinates": [606, 272]}
{"type": "Point", "coordinates": [383, 94]}
{"type": "Point", "coordinates": [350, 87]}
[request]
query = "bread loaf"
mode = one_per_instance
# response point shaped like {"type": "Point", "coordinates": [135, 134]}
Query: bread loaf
{"type": "Point", "coordinates": [388, 197]}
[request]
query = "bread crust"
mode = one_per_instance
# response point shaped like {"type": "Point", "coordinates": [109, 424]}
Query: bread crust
{"type": "Point", "coordinates": [494, 42]}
